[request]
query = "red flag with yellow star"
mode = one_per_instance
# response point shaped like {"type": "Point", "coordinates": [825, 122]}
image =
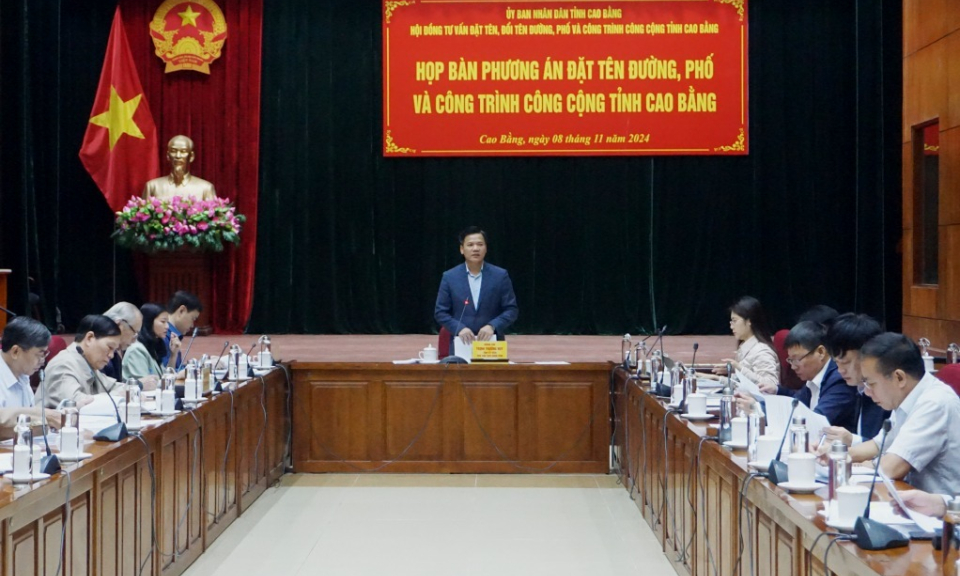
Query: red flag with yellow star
{"type": "Point", "coordinates": [120, 146]}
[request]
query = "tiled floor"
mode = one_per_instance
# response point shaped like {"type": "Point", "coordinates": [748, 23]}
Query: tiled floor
{"type": "Point", "coordinates": [450, 525]}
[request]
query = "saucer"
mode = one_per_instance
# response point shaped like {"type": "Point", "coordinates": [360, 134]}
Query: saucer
{"type": "Point", "coordinates": [732, 444]}
{"type": "Point", "coordinates": [75, 457]}
{"type": "Point", "coordinates": [131, 428]}
{"type": "Point", "coordinates": [194, 400]}
{"type": "Point", "coordinates": [17, 479]}
{"type": "Point", "coordinates": [800, 488]}
{"type": "Point", "coordinates": [698, 416]}
{"type": "Point", "coordinates": [834, 522]}
{"type": "Point", "coordinates": [761, 466]}
{"type": "Point", "coordinates": [162, 413]}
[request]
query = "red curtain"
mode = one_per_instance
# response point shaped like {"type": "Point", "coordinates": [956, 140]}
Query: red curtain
{"type": "Point", "coordinates": [221, 113]}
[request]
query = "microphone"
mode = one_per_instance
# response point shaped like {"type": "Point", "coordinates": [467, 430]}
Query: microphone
{"type": "Point", "coordinates": [187, 353]}
{"type": "Point", "coordinates": [451, 357]}
{"type": "Point", "coordinates": [777, 470]}
{"type": "Point", "coordinates": [693, 362]}
{"type": "Point", "coordinates": [114, 432]}
{"type": "Point", "coordinates": [663, 358]}
{"type": "Point", "coordinates": [8, 311]}
{"type": "Point", "coordinates": [216, 383]}
{"type": "Point", "coordinates": [870, 534]}
{"type": "Point", "coordinates": [49, 464]}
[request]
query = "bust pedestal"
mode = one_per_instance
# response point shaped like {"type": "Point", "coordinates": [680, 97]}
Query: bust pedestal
{"type": "Point", "coordinates": [163, 273]}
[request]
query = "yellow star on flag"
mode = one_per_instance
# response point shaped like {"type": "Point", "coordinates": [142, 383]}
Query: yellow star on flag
{"type": "Point", "coordinates": [118, 118]}
{"type": "Point", "coordinates": [188, 16]}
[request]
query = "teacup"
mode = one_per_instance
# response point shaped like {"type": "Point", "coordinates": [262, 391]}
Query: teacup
{"type": "Point", "coordinates": [738, 431]}
{"type": "Point", "coordinates": [801, 468]}
{"type": "Point", "coordinates": [851, 502]}
{"type": "Point", "coordinates": [428, 354]}
{"type": "Point", "coordinates": [697, 404]}
{"type": "Point", "coordinates": [767, 447]}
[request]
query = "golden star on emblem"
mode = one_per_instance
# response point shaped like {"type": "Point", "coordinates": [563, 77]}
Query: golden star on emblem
{"type": "Point", "coordinates": [188, 16]}
{"type": "Point", "coordinates": [118, 118]}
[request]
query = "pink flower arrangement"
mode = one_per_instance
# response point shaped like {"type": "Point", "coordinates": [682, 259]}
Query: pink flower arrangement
{"type": "Point", "coordinates": [179, 223]}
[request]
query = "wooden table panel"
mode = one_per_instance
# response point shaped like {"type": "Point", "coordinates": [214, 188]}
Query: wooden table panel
{"type": "Point", "coordinates": [112, 511]}
{"type": "Point", "coordinates": [463, 419]}
{"type": "Point", "coordinates": [778, 528]}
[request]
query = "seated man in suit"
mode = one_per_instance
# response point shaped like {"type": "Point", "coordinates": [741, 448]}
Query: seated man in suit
{"type": "Point", "coordinates": [184, 308]}
{"type": "Point", "coordinates": [844, 339]}
{"type": "Point", "coordinates": [825, 392]}
{"type": "Point", "coordinates": [22, 353]}
{"type": "Point", "coordinates": [476, 299]}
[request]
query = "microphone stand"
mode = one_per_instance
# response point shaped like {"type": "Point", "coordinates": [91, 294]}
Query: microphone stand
{"type": "Point", "coordinates": [114, 432]}
{"type": "Point", "coordinates": [190, 345]}
{"type": "Point", "coordinates": [216, 382]}
{"type": "Point", "coordinates": [49, 464]}
{"type": "Point", "coordinates": [873, 535]}
{"type": "Point", "coordinates": [777, 471]}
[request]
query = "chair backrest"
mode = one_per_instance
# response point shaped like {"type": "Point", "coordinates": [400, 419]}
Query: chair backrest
{"type": "Point", "coordinates": [950, 375]}
{"type": "Point", "coordinates": [57, 345]}
{"type": "Point", "coordinates": [788, 378]}
{"type": "Point", "coordinates": [443, 343]}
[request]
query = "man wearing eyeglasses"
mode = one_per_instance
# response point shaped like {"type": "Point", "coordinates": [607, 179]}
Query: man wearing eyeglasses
{"type": "Point", "coordinates": [129, 320]}
{"type": "Point", "coordinates": [825, 391]}
{"type": "Point", "coordinates": [924, 444]}
{"type": "Point", "coordinates": [22, 352]}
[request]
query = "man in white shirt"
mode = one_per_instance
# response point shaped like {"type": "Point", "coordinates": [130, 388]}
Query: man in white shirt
{"type": "Point", "coordinates": [924, 444]}
{"type": "Point", "coordinates": [22, 353]}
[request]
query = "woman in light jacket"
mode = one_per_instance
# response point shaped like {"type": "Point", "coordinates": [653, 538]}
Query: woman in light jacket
{"type": "Point", "coordinates": [756, 358]}
{"type": "Point", "coordinates": [142, 359]}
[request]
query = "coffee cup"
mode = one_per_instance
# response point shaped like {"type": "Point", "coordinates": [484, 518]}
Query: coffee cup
{"type": "Point", "coordinates": [851, 502]}
{"type": "Point", "coordinates": [801, 468]}
{"type": "Point", "coordinates": [428, 354]}
{"type": "Point", "coordinates": [738, 431]}
{"type": "Point", "coordinates": [69, 442]}
{"type": "Point", "coordinates": [676, 396]}
{"type": "Point", "coordinates": [696, 404]}
{"type": "Point", "coordinates": [767, 447]}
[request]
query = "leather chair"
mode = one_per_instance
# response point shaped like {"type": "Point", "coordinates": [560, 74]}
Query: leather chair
{"type": "Point", "coordinates": [443, 343]}
{"type": "Point", "coordinates": [788, 378]}
{"type": "Point", "coordinates": [950, 375]}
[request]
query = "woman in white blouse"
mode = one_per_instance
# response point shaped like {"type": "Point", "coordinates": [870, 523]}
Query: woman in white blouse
{"type": "Point", "coordinates": [756, 358]}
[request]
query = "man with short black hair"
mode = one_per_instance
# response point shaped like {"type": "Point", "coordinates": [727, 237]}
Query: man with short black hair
{"type": "Point", "coordinates": [23, 351]}
{"type": "Point", "coordinates": [848, 333]}
{"type": "Point", "coordinates": [825, 391]}
{"type": "Point", "coordinates": [476, 299]}
{"type": "Point", "coordinates": [924, 444]}
{"type": "Point", "coordinates": [184, 309]}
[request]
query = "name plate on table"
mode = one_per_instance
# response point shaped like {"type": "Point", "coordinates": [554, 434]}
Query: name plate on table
{"type": "Point", "coordinates": [489, 351]}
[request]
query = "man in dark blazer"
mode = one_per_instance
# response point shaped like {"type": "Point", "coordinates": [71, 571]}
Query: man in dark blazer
{"type": "Point", "coordinates": [476, 299]}
{"type": "Point", "coordinates": [825, 392]}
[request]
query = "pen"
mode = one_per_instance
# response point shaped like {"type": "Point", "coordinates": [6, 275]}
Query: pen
{"type": "Point", "coordinates": [819, 444]}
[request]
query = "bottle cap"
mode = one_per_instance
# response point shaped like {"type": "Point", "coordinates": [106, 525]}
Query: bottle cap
{"type": "Point", "coordinates": [954, 504]}
{"type": "Point", "coordinates": [838, 447]}
{"type": "Point", "coordinates": [69, 404]}
{"type": "Point", "coordinates": [799, 421]}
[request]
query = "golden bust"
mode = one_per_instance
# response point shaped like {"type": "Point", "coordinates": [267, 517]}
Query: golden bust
{"type": "Point", "coordinates": [180, 182]}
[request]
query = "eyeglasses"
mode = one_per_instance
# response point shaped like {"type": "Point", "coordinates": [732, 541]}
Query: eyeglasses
{"type": "Point", "coordinates": [128, 325]}
{"type": "Point", "coordinates": [795, 361]}
{"type": "Point", "coordinates": [40, 353]}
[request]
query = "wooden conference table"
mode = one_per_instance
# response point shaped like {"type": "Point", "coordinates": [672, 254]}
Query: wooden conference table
{"type": "Point", "coordinates": [209, 466]}
{"type": "Point", "coordinates": [688, 490]}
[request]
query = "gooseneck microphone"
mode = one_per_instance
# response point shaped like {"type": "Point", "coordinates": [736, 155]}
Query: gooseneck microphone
{"type": "Point", "coordinates": [693, 362]}
{"type": "Point", "coordinates": [8, 311]}
{"type": "Point", "coordinates": [777, 471]}
{"type": "Point", "coordinates": [114, 432]}
{"type": "Point", "coordinates": [216, 381]}
{"type": "Point", "coordinates": [184, 356]}
{"type": "Point", "coordinates": [49, 464]}
{"type": "Point", "coordinates": [870, 534]}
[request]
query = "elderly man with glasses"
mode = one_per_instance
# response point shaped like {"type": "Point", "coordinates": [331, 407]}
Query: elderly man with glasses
{"type": "Point", "coordinates": [129, 320]}
{"type": "Point", "coordinates": [923, 448]}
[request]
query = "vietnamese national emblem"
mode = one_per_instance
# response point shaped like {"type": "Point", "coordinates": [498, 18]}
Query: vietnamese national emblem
{"type": "Point", "coordinates": [188, 35]}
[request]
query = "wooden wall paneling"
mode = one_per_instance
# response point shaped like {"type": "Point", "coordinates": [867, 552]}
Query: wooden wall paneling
{"type": "Point", "coordinates": [950, 163]}
{"type": "Point", "coordinates": [567, 434]}
{"type": "Point", "coordinates": [51, 528]}
{"type": "Point", "coordinates": [924, 22]}
{"type": "Point", "coordinates": [278, 428]}
{"type": "Point", "coordinates": [24, 543]}
{"type": "Point", "coordinates": [925, 299]}
{"type": "Point", "coordinates": [252, 460]}
{"type": "Point", "coordinates": [951, 115]}
{"type": "Point", "coordinates": [949, 275]}
{"type": "Point", "coordinates": [343, 435]}
{"type": "Point", "coordinates": [925, 86]}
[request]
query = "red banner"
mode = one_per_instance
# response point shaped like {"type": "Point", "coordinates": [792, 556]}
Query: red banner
{"type": "Point", "coordinates": [556, 78]}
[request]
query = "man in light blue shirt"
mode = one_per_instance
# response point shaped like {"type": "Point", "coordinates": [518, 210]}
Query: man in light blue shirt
{"type": "Point", "coordinates": [22, 353]}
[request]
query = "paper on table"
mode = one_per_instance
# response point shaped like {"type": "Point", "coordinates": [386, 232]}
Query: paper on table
{"type": "Point", "coordinates": [101, 406]}
{"type": "Point", "coordinates": [465, 351]}
{"type": "Point", "coordinates": [815, 422]}
{"type": "Point", "coordinates": [749, 386]}
{"type": "Point", "coordinates": [778, 414]}
{"type": "Point", "coordinates": [407, 361]}
{"type": "Point", "coordinates": [926, 523]}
